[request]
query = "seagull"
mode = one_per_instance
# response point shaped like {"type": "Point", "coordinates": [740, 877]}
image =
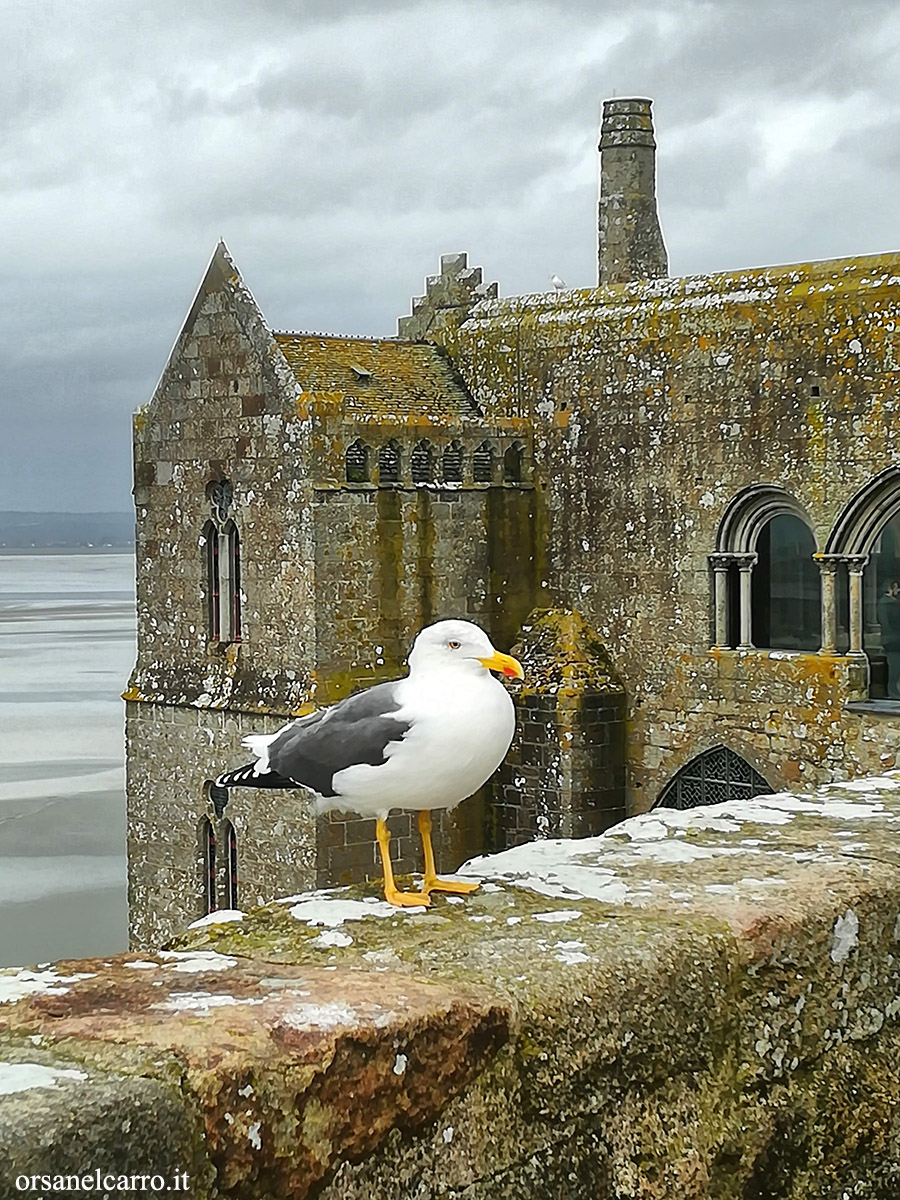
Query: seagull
{"type": "Point", "coordinates": [559, 285]}
{"type": "Point", "coordinates": [424, 742]}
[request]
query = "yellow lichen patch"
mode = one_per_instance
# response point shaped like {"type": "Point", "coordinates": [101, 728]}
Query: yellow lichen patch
{"type": "Point", "coordinates": [383, 378]}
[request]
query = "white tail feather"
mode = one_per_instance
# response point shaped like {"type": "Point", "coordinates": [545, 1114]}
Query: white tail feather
{"type": "Point", "coordinates": [258, 744]}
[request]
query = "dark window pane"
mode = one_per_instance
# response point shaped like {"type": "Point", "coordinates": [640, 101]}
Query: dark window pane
{"type": "Point", "coordinates": [881, 613]}
{"type": "Point", "coordinates": [786, 602]}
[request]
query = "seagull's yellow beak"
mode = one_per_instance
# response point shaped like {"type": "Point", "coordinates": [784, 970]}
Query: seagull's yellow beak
{"type": "Point", "coordinates": [505, 664]}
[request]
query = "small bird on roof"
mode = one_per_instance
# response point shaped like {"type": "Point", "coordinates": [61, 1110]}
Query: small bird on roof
{"type": "Point", "coordinates": [424, 742]}
{"type": "Point", "coordinates": [559, 285]}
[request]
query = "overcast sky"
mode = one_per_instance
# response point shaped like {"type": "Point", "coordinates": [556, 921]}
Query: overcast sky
{"type": "Point", "coordinates": [340, 147]}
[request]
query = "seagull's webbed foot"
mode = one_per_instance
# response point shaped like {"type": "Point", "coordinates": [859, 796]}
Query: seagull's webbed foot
{"type": "Point", "coordinates": [454, 886]}
{"type": "Point", "coordinates": [392, 893]}
{"type": "Point", "coordinates": [406, 899]}
{"type": "Point", "coordinates": [431, 882]}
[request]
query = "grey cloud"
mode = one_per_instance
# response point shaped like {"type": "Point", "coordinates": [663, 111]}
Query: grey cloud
{"type": "Point", "coordinates": [340, 149]}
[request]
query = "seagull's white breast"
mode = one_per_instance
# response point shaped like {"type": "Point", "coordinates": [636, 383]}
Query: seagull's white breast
{"type": "Point", "coordinates": [461, 726]}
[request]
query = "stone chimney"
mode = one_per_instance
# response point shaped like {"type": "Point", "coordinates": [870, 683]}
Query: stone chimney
{"type": "Point", "coordinates": [630, 240]}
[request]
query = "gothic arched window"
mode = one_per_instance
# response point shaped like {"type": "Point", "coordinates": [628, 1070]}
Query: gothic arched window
{"type": "Point", "coordinates": [357, 462]}
{"type": "Point", "coordinates": [421, 463]}
{"type": "Point", "coordinates": [452, 465]}
{"type": "Point", "coordinates": [483, 464]}
{"type": "Point", "coordinates": [711, 778]}
{"type": "Point", "coordinates": [220, 544]}
{"type": "Point", "coordinates": [389, 463]}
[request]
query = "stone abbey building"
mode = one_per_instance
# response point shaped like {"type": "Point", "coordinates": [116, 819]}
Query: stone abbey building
{"type": "Point", "coordinates": [681, 496]}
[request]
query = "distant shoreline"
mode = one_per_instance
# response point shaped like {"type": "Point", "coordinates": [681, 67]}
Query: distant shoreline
{"type": "Point", "coordinates": [57, 531]}
{"type": "Point", "coordinates": [46, 551]}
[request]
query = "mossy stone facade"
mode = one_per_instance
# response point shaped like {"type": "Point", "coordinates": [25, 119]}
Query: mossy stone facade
{"type": "Point", "coordinates": [609, 453]}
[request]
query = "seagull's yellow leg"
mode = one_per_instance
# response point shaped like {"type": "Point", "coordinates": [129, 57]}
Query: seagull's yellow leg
{"type": "Point", "coordinates": [431, 883]}
{"type": "Point", "coordinates": [391, 894]}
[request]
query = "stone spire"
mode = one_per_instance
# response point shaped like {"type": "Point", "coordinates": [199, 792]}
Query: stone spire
{"type": "Point", "coordinates": [630, 243]}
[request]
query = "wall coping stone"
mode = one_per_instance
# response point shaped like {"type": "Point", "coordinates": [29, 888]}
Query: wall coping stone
{"type": "Point", "coordinates": [693, 1004]}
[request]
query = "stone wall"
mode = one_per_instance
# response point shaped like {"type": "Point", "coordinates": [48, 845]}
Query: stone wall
{"type": "Point", "coordinates": [171, 753]}
{"type": "Point", "coordinates": [693, 1006]}
{"type": "Point", "coordinates": [654, 405]}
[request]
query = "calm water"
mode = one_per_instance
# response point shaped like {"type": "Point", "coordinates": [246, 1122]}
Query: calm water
{"type": "Point", "coordinates": [66, 649]}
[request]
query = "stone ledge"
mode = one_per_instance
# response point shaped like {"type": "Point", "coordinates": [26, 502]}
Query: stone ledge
{"type": "Point", "coordinates": [698, 1004]}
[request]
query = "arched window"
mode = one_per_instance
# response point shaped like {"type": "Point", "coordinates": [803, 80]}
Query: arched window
{"type": "Point", "coordinates": [389, 463]}
{"type": "Point", "coordinates": [208, 865]}
{"type": "Point", "coordinates": [483, 464]}
{"type": "Point", "coordinates": [863, 557]}
{"type": "Point", "coordinates": [421, 463]}
{"type": "Point", "coordinates": [220, 545]}
{"type": "Point", "coordinates": [513, 463]}
{"type": "Point", "coordinates": [768, 590]}
{"type": "Point", "coordinates": [786, 599]}
{"type": "Point", "coordinates": [357, 462]}
{"type": "Point", "coordinates": [231, 865]}
{"type": "Point", "coordinates": [710, 778]}
{"type": "Point", "coordinates": [452, 465]}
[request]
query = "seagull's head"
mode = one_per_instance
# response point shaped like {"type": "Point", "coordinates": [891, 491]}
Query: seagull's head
{"type": "Point", "coordinates": [460, 645]}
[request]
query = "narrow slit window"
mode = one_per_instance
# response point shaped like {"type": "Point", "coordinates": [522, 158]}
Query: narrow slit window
{"type": "Point", "coordinates": [210, 546]}
{"type": "Point", "coordinates": [208, 865]}
{"type": "Point", "coordinates": [234, 550]}
{"type": "Point", "coordinates": [231, 871]}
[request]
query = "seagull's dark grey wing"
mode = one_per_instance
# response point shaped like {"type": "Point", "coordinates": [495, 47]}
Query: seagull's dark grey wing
{"type": "Point", "coordinates": [311, 750]}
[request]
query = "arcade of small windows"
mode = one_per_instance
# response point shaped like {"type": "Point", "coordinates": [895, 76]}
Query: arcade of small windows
{"type": "Point", "coordinates": [775, 591]}
{"type": "Point", "coordinates": [711, 778]}
{"type": "Point", "coordinates": [424, 461]}
{"type": "Point", "coordinates": [220, 545]}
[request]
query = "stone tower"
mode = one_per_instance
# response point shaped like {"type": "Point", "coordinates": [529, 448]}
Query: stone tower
{"type": "Point", "coordinates": [630, 245]}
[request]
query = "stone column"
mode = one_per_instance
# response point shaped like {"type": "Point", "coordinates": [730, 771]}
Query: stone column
{"type": "Point", "coordinates": [828, 564]}
{"type": "Point", "coordinates": [720, 564]}
{"type": "Point", "coordinates": [856, 564]}
{"type": "Point", "coordinates": [746, 563]}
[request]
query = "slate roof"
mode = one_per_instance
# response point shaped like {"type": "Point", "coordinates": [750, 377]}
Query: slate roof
{"type": "Point", "coordinates": [381, 379]}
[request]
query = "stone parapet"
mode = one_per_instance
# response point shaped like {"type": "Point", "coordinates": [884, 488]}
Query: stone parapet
{"type": "Point", "coordinates": [694, 1004]}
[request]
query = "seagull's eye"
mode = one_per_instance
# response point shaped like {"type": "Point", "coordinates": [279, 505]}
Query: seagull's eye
{"type": "Point", "coordinates": [454, 645]}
